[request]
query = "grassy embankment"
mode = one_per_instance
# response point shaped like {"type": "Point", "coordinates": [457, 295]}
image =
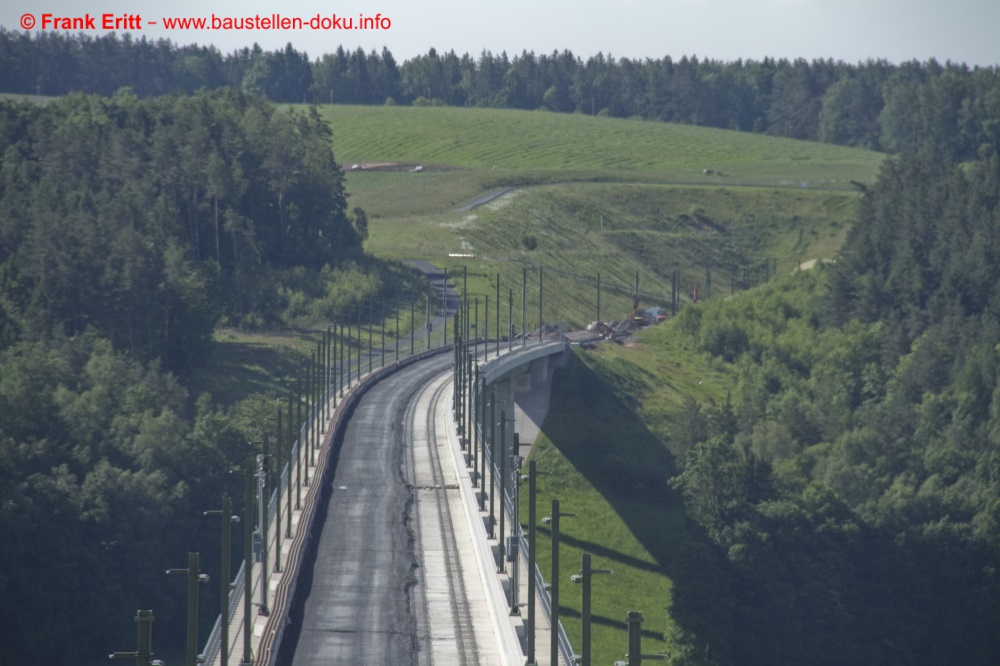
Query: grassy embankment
{"type": "Point", "coordinates": [592, 195]}
{"type": "Point", "coordinates": [615, 197]}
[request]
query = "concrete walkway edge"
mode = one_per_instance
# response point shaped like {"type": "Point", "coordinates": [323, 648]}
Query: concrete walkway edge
{"type": "Point", "coordinates": [507, 639]}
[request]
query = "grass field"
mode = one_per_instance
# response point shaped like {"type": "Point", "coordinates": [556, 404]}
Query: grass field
{"type": "Point", "coordinates": [523, 142]}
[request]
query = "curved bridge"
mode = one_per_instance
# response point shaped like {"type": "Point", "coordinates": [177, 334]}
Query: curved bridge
{"type": "Point", "coordinates": [389, 560]}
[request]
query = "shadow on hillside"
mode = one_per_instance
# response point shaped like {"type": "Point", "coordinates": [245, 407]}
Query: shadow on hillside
{"type": "Point", "coordinates": [236, 370]}
{"type": "Point", "coordinates": [603, 438]}
{"type": "Point", "coordinates": [600, 551]}
{"type": "Point", "coordinates": [624, 461]}
{"type": "Point", "coordinates": [601, 620]}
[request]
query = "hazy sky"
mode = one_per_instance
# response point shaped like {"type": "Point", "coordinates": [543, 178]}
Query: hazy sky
{"type": "Point", "coordinates": [849, 30]}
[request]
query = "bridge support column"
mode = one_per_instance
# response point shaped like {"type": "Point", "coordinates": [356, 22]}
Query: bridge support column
{"type": "Point", "coordinates": [523, 382]}
{"type": "Point", "coordinates": [505, 405]}
{"type": "Point", "coordinates": [540, 370]}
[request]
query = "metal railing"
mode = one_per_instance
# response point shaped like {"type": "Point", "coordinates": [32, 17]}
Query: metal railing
{"type": "Point", "coordinates": [542, 349]}
{"type": "Point", "coordinates": [507, 505]}
{"type": "Point", "coordinates": [213, 644]}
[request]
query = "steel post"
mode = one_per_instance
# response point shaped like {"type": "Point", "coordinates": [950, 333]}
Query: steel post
{"type": "Point", "coordinates": [531, 561]}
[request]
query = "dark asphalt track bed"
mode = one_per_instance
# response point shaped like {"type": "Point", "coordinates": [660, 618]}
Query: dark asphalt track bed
{"type": "Point", "coordinates": [353, 604]}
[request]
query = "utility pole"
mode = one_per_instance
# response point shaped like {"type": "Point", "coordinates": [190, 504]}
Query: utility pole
{"type": "Point", "coordinates": [144, 654]}
{"type": "Point", "coordinates": [310, 404]}
{"type": "Point", "coordinates": [261, 536]}
{"type": "Point", "coordinates": [634, 619]}
{"type": "Point", "coordinates": [673, 293]}
{"type": "Point", "coordinates": [635, 297]}
{"type": "Point", "coordinates": [598, 297]}
{"type": "Point", "coordinates": [554, 583]}
{"type": "Point", "coordinates": [510, 320]}
{"type": "Point", "coordinates": [483, 444]}
{"type": "Point", "coordinates": [498, 314]}
{"type": "Point", "coordinates": [515, 528]}
{"type": "Point", "coordinates": [481, 419]}
{"type": "Point", "coordinates": [524, 305]}
{"type": "Point", "coordinates": [319, 412]}
{"type": "Point", "coordinates": [322, 374]}
{"type": "Point", "coordinates": [456, 380]}
{"type": "Point", "coordinates": [226, 514]}
{"type": "Point", "coordinates": [289, 438]}
{"type": "Point", "coordinates": [248, 560]}
{"type": "Point", "coordinates": [332, 384]}
{"type": "Point", "coordinates": [477, 482]}
{"type": "Point", "coordinates": [531, 562]}
{"type": "Point", "coordinates": [277, 488]}
{"type": "Point", "coordinates": [298, 446]}
{"type": "Point", "coordinates": [469, 402]}
{"type": "Point", "coordinates": [493, 460]}
{"type": "Point", "coordinates": [194, 576]}
{"type": "Point", "coordinates": [586, 573]}
{"type": "Point", "coordinates": [317, 408]}
{"type": "Point", "coordinates": [635, 655]}
{"type": "Point", "coordinates": [331, 366]}
{"type": "Point", "coordinates": [540, 292]}
{"type": "Point", "coordinates": [503, 487]}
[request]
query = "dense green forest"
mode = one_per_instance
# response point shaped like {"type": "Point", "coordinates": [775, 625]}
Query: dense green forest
{"type": "Point", "coordinates": [130, 229]}
{"type": "Point", "coordinates": [148, 220]}
{"type": "Point", "coordinates": [950, 108]}
{"type": "Point", "coordinates": [849, 492]}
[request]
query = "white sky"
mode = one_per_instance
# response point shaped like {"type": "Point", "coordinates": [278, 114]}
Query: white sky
{"type": "Point", "coordinates": [849, 30]}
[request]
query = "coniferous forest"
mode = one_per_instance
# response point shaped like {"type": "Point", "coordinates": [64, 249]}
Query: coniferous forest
{"type": "Point", "coordinates": [844, 502]}
{"type": "Point", "coordinates": [949, 108]}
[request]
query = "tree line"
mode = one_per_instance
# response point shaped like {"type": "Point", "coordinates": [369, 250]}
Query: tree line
{"type": "Point", "coordinates": [948, 108]}
{"type": "Point", "coordinates": [848, 491]}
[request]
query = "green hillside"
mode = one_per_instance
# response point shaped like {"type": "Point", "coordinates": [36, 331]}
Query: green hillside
{"type": "Point", "coordinates": [534, 140]}
{"type": "Point", "coordinates": [585, 195]}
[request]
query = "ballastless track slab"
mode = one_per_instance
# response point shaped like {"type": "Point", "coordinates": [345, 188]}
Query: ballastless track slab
{"type": "Point", "coordinates": [364, 590]}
